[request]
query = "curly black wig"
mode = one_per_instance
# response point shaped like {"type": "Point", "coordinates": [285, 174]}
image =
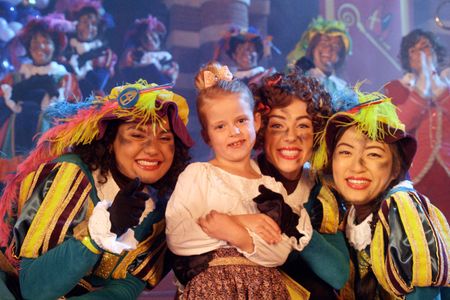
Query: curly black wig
{"type": "Point", "coordinates": [279, 90]}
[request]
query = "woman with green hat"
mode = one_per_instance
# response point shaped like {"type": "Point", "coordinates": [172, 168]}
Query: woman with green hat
{"type": "Point", "coordinates": [398, 241]}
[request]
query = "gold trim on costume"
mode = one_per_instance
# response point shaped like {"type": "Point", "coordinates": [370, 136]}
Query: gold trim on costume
{"type": "Point", "coordinates": [107, 265]}
{"type": "Point", "coordinates": [121, 270]}
{"type": "Point", "coordinates": [154, 275]}
{"type": "Point", "coordinates": [296, 291]}
{"type": "Point", "coordinates": [86, 285]}
{"type": "Point", "coordinates": [75, 210]}
{"type": "Point", "coordinates": [377, 257]}
{"type": "Point", "coordinates": [330, 219]}
{"type": "Point", "coordinates": [58, 212]}
{"type": "Point", "coordinates": [34, 238]}
{"type": "Point", "coordinates": [231, 260]}
{"type": "Point", "coordinates": [86, 241]}
{"type": "Point", "coordinates": [412, 224]}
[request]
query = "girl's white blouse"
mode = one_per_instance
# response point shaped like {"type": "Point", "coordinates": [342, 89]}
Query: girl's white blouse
{"type": "Point", "coordinates": [203, 187]}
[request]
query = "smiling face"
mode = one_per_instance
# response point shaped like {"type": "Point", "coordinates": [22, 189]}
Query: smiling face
{"type": "Point", "coordinates": [288, 139]}
{"type": "Point", "coordinates": [87, 27]}
{"type": "Point", "coordinates": [231, 127]}
{"type": "Point", "coordinates": [326, 52]}
{"type": "Point", "coordinates": [142, 153]}
{"type": "Point", "coordinates": [362, 168]}
{"type": "Point", "coordinates": [41, 49]}
{"type": "Point", "coordinates": [246, 56]}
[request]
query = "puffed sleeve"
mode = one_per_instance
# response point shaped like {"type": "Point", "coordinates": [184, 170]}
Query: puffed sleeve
{"type": "Point", "coordinates": [410, 246]}
{"type": "Point", "coordinates": [412, 106]}
{"type": "Point", "coordinates": [188, 203]}
{"type": "Point", "coordinates": [193, 197]}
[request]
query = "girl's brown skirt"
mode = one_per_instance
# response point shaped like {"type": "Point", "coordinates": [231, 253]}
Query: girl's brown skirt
{"type": "Point", "coordinates": [232, 276]}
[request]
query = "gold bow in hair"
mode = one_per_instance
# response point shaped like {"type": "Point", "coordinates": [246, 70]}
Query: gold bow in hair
{"type": "Point", "coordinates": [211, 79]}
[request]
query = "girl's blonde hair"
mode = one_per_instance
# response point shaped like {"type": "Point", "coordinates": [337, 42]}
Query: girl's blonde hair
{"type": "Point", "coordinates": [213, 81]}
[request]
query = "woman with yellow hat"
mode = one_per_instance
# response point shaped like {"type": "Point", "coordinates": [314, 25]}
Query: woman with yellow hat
{"type": "Point", "coordinates": [89, 201]}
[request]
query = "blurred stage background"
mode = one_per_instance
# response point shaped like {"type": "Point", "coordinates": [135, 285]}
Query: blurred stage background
{"type": "Point", "coordinates": [194, 26]}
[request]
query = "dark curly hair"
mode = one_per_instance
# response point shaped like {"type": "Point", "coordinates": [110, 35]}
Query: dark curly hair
{"type": "Point", "coordinates": [90, 10]}
{"type": "Point", "coordinates": [98, 156]}
{"type": "Point", "coordinates": [235, 41]}
{"type": "Point", "coordinates": [46, 32]}
{"type": "Point", "coordinates": [411, 39]}
{"type": "Point", "coordinates": [279, 90]}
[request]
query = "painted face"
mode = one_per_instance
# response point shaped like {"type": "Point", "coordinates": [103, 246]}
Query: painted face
{"type": "Point", "coordinates": [326, 52]}
{"type": "Point", "coordinates": [150, 41]}
{"type": "Point", "coordinates": [87, 27]}
{"type": "Point", "coordinates": [288, 139]}
{"type": "Point", "coordinates": [41, 49]}
{"type": "Point", "coordinates": [231, 128]}
{"type": "Point", "coordinates": [246, 56]}
{"type": "Point", "coordinates": [141, 153]}
{"type": "Point", "coordinates": [421, 50]}
{"type": "Point", "coordinates": [362, 168]}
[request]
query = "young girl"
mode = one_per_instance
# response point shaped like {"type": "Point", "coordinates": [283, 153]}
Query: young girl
{"type": "Point", "coordinates": [207, 194]}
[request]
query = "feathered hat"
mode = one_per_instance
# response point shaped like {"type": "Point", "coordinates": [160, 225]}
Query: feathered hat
{"type": "Point", "coordinates": [140, 25]}
{"type": "Point", "coordinates": [76, 8]}
{"type": "Point", "coordinates": [139, 102]}
{"type": "Point", "coordinates": [237, 35]}
{"type": "Point", "coordinates": [320, 26]}
{"type": "Point", "coordinates": [55, 25]}
{"type": "Point", "coordinates": [376, 117]}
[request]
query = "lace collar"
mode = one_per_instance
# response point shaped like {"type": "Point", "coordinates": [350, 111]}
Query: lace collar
{"type": "Point", "coordinates": [359, 236]}
{"type": "Point", "coordinates": [52, 68]}
{"type": "Point", "coordinates": [83, 47]}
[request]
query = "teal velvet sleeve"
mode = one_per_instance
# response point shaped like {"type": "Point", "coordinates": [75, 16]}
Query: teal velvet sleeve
{"type": "Point", "coordinates": [56, 272]}
{"type": "Point", "coordinates": [425, 293]}
{"type": "Point", "coordinates": [124, 289]}
{"type": "Point", "coordinates": [327, 255]}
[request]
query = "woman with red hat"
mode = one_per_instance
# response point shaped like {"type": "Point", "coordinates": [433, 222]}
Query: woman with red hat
{"type": "Point", "coordinates": [246, 48]}
{"type": "Point", "coordinates": [398, 241]}
{"type": "Point", "coordinates": [144, 57]}
{"type": "Point", "coordinates": [84, 215]}
{"type": "Point", "coordinates": [38, 83]}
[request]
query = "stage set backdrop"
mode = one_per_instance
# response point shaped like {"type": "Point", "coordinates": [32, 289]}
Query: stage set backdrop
{"type": "Point", "coordinates": [376, 27]}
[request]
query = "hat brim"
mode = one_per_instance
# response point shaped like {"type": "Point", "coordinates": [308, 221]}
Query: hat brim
{"type": "Point", "coordinates": [406, 142]}
{"type": "Point", "coordinates": [169, 109]}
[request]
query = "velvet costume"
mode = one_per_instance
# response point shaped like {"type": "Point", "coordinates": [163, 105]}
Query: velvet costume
{"type": "Point", "coordinates": [55, 203]}
{"type": "Point", "coordinates": [93, 63]}
{"type": "Point", "coordinates": [152, 66]}
{"type": "Point", "coordinates": [323, 265]}
{"type": "Point", "coordinates": [409, 249]}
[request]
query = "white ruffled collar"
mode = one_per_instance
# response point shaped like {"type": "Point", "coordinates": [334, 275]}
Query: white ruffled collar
{"type": "Point", "coordinates": [83, 47]}
{"type": "Point", "coordinates": [359, 236]}
{"type": "Point", "coordinates": [248, 73]}
{"type": "Point", "coordinates": [109, 190]}
{"type": "Point", "coordinates": [52, 68]}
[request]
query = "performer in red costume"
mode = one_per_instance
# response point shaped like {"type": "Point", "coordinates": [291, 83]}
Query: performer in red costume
{"type": "Point", "coordinates": [423, 98]}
